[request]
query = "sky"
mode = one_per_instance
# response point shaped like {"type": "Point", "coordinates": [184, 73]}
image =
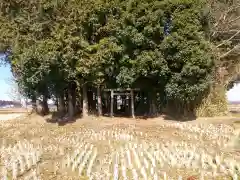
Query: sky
{"type": "Point", "coordinates": [234, 93]}
{"type": "Point", "coordinates": [5, 84]}
{"type": "Point", "coordinates": [6, 75]}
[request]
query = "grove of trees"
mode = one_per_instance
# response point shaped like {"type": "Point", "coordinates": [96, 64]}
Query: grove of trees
{"type": "Point", "coordinates": [182, 54]}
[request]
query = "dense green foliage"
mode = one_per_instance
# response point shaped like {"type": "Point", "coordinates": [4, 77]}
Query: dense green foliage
{"type": "Point", "coordinates": [149, 44]}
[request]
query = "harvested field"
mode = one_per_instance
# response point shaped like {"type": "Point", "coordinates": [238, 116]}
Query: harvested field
{"type": "Point", "coordinates": [8, 116]}
{"type": "Point", "coordinates": [235, 108]}
{"type": "Point", "coordinates": [119, 148]}
{"type": "Point", "coordinates": [13, 110]}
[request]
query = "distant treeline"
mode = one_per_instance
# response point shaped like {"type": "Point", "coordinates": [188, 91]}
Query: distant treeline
{"type": "Point", "coordinates": [5, 103]}
{"type": "Point", "coordinates": [234, 102]}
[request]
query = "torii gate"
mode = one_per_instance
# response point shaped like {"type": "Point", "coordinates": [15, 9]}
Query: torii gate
{"type": "Point", "coordinates": [119, 92]}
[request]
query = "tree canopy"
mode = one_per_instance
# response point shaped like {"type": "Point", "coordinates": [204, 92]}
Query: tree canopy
{"type": "Point", "coordinates": [156, 45]}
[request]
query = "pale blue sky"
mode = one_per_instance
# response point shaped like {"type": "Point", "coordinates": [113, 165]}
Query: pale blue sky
{"type": "Point", "coordinates": [5, 76]}
{"type": "Point", "coordinates": [5, 86]}
{"type": "Point", "coordinates": [234, 93]}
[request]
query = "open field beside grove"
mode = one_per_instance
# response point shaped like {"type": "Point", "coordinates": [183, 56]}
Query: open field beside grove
{"type": "Point", "coordinates": [119, 148]}
{"type": "Point", "coordinates": [13, 110]}
{"type": "Point", "coordinates": [234, 108]}
{"type": "Point", "coordinates": [11, 113]}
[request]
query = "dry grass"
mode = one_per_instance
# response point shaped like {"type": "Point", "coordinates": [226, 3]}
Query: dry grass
{"type": "Point", "coordinates": [13, 110]}
{"type": "Point", "coordinates": [8, 116]}
{"type": "Point", "coordinates": [119, 148]}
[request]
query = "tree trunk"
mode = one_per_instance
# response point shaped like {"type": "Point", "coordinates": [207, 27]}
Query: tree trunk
{"type": "Point", "coordinates": [132, 104]}
{"type": "Point", "coordinates": [99, 101]}
{"type": "Point", "coordinates": [79, 102]}
{"type": "Point", "coordinates": [39, 107]}
{"type": "Point", "coordinates": [66, 100]}
{"type": "Point", "coordinates": [45, 108]}
{"type": "Point", "coordinates": [34, 104]}
{"type": "Point", "coordinates": [57, 104]}
{"type": "Point", "coordinates": [106, 102]}
{"type": "Point", "coordinates": [61, 101]}
{"type": "Point", "coordinates": [85, 102]}
{"type": "Point", "coordinates": [74, 98]}
{"type": "Point", "coordinates": [91, 102]}
{"type": "Point", "coordinates": [112, 102]}
{"type": "Point", "coordinates": [70, 103]}
{"type": "Point", "coordinates": [124, 104]}
{"type": "Point", "coordinates": [152, 104]}
{"type": "Point", "coordinates": [129, 106]}
{"type": "Point", "coordinates": [73, 91]}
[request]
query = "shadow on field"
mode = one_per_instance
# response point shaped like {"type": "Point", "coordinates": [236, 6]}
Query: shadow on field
{"type": "Point", "coordinates": [61, 120]}
{"type": "Point", "coordinates": [179, 118]}
{"type": "Point", "coordinates": [56, 118]}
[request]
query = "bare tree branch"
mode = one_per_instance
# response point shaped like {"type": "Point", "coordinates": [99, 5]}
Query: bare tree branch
{"type": "Point", "coordinates": [227, 31]}
{"type": "Point", "coordinates": [229, 39]}
{"type": "Point", "coordinates": [230, 51]}
{"type": "Point", "coordinates": [224, 14]}
{"type": "Point", "coordinates": [235, 19]}
{"type": "Point", "coordinates": [225, 21]}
